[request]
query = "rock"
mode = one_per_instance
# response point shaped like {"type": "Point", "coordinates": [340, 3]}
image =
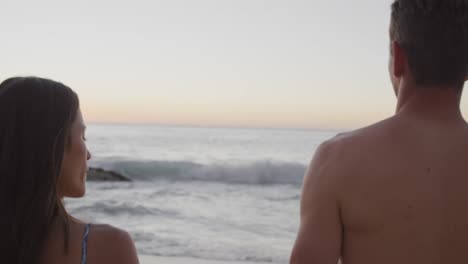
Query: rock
{"type": "Point", "coordinates": [98, 174]}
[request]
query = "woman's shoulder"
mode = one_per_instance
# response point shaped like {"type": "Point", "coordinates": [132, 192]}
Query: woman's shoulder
{"type": "Point", "coordinates": [108, 244]}
{"type": "Point", "coordinates": [104, 231]}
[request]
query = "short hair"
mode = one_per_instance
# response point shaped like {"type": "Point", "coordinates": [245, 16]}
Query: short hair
{"type": "Point", "coordinates": [434, 36]}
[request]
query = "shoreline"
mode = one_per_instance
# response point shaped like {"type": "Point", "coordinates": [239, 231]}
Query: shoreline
{"type": "Point", "coordinates": [148, 259]}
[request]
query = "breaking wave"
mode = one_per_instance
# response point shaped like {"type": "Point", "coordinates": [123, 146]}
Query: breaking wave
{"type": "Point", "coordinates": [256, 173]}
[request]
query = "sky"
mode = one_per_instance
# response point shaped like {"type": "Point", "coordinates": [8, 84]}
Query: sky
{"type": "Point", "coordinates": [253, 63]}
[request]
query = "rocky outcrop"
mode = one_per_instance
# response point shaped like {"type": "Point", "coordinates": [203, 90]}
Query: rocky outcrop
{"type": "Point", "coordinates": [98, 174]}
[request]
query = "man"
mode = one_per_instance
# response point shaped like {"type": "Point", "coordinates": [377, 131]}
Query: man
{"type": "Point", "coordinates": [397, 191]}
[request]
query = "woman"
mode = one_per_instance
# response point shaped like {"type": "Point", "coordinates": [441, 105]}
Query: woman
{"type": "Point", "coordinates": [43, 158]}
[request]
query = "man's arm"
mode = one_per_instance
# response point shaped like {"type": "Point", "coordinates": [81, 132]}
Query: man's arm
{"type": "Point", "coordinates": [320, 234]}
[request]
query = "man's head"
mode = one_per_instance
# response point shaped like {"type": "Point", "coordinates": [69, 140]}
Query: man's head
{"type": "Point", "coordinates": [429, 42]}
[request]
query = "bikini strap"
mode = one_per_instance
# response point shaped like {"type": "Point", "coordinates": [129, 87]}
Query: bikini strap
{"type": "Point", "coordinates": [84, 245]}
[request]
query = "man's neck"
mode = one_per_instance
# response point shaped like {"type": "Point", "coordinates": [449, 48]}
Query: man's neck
{"type": "Point", "coordinates": [431, 103]}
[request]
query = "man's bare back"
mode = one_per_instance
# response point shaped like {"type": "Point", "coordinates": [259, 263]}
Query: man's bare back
{"type": "Point", "coordinates": [395, 192]}
{"type": "Point", "coordinates": [404, 198]}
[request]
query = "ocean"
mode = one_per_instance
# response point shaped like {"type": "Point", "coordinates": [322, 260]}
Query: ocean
{"type": "Point", "coordinates": [229, 194]}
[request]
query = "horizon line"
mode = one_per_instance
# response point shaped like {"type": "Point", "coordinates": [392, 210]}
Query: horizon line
{"type": "Point", "coordinates": [188, 125]}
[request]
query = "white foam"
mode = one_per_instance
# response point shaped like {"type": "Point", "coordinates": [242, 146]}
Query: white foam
{"type": "Point", "coordinates": [260, 172]}
{"type": "Point", "coordinates": [146, 259]}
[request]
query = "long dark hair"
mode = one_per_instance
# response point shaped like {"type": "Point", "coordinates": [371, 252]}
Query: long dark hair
{"type": "Point", "coordinates": [35, 119]}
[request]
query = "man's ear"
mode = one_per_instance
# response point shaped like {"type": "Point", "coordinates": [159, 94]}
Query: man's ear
{"type": "Point", "coordinates": [399, 59]}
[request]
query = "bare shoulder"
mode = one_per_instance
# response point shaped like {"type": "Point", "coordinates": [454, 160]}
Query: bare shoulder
{"type": "Point", "coordinates": [320, 234]}
{"type": "Point", "coordinates": [338, 157]}
{"type": "Point", "coordinates": [324, 189]}
{"type": "Point", "coordinates": [108, 244]}
{"type": "Point", "coordinates": [347, 143]}
{"type": "Point", "coordinates": [324, 174]}
{"type": "Point", "coordinates": [339, 147]}
{"type": "Point", "coordinates": [370, 132]}
{"type": "Point", "coordinates": [325, 163]}
{"type": "Point", "coordinates": [113, 235]}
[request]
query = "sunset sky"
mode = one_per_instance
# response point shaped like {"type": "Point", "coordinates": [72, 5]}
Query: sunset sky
{"type": "Point", "coordinates": [254, 63]}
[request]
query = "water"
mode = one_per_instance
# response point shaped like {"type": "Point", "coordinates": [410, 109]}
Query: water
{"type": "Point", "coordinates": [211, 193]}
